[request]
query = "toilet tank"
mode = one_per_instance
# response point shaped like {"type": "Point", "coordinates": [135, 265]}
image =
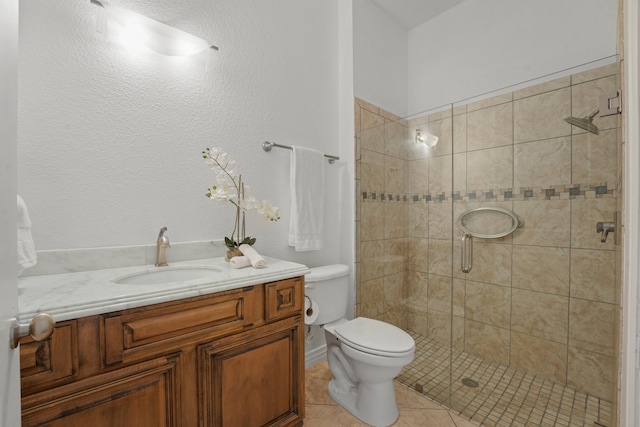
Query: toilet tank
{"type": "Point", "coordinates": [328, 287]}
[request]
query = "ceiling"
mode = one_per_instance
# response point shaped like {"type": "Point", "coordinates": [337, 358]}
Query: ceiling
{"type": "Point", "coordinates": [410, 13]}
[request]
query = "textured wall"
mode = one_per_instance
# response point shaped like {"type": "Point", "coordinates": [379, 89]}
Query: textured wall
{"type": "Point", "coordinates": [110, 140]}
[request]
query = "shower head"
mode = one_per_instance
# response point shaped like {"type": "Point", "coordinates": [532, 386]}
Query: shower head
{"type": "Point", "coordinates": [585, 123]}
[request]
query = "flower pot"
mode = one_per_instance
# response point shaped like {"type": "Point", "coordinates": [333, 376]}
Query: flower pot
{"type": "Point", "coordinates": [232, 253]}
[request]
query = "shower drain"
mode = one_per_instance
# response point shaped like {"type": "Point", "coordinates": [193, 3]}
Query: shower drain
{"type": "Point", "coordinates": [470, 383]}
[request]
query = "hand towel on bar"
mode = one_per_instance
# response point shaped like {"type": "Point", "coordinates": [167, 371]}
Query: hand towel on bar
{"type": "Point", "coordinates": [239, 262]}
{"type": "Point", "coordinates": [254, 257]}
{"type": "Point", "coordinates": [26, 248]}
{"type": "Point", "coordinates": [307, 199]}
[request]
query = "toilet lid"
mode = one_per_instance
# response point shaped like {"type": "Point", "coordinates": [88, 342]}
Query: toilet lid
{"type": "Point", "coordinates": [374, 336]}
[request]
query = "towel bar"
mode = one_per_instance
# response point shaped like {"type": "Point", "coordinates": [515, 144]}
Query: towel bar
{"type": "Point", "coordinates": [267, 146]}
{"type": "Point", "coordinates": [516, 222]}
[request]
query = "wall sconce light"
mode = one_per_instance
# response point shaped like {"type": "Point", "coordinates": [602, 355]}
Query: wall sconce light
{"type": "Point", "coordinates": [138, 30]}
{"type": "Point", "coordinates": [426, 138]}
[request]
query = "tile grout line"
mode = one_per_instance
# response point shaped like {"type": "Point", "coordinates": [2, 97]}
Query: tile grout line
{"type": "Point", "coordinates": [522, 395]}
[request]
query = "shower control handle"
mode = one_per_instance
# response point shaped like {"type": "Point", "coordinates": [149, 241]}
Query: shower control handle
{"type": "Point", "coordinates": [608, 227]}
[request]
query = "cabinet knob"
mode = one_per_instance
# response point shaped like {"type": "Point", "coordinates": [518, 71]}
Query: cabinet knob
{"type": "Point", "coordinates": [40, 328]}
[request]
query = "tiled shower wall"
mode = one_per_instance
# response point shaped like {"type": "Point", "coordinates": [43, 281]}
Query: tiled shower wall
{"type": "Point", "coordinates": [542, 299]}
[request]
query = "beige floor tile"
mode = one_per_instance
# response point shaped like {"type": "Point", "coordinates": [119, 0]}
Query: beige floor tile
{"type": "Point", "coordinates": [424, 417]}
{"type": "Point", "coordinates": [418, 410]}
{"type": "Point", "coordinates": [409, 399]}
{"type": "Point", "coordinates": [329, 416]}
{"type": "Point", "coordinates": [463, 422]}
{"type": "Point", "coordinates": [415, 409]}
{"type": "Point", "coordinates": [505, 396]}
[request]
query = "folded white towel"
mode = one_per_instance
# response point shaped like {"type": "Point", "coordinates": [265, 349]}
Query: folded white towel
{"type": "Point", "coordinates": [254, 257]}
{"type": "Point", "coordinates": [307, 199]}
{"type": "Point", "coordinates": [26, 248]}
{"type": "Point", "coordinates": [239, 262]}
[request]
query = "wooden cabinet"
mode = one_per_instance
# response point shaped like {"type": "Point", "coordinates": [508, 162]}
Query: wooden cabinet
{"type": "Point", "coordinates": [141, 395]}
{"type": "Point", "coordinates": [246, 381]}
{"type": "Point", "coordinates": [44, 364]}
{"type": "Point", "coordinates": [230, 359]}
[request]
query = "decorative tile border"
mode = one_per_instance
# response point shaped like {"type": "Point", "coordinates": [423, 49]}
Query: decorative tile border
{"type": "Point", "coordinates": [555, 192]}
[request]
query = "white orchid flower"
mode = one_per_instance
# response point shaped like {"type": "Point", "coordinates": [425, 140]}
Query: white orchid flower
{"type": "Point", "coordinates": [230, 188]}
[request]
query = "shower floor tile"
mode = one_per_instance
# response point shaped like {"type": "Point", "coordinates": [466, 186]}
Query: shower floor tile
{"type": "Point", "coordinates": [495, 395]}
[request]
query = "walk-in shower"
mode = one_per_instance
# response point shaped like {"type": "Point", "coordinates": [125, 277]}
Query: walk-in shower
{"type": "Point", "coordinates": [527, 336]}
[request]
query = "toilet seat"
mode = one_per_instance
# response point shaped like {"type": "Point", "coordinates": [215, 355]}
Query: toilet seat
{"type": "Point", "coordinates": [375, 337]}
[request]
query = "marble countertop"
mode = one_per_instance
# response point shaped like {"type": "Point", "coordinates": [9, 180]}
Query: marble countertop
{"type": "Point", "coordinates": [72, 295]}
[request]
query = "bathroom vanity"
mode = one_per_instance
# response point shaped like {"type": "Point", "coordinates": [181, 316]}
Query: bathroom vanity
{"type": "Point", "coordinates": [226, 350]}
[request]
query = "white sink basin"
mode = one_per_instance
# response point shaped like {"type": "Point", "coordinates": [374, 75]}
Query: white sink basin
{"type": "Point", "coordinates": [167, 275]}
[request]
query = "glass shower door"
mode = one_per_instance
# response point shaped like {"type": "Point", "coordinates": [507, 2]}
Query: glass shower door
{"type": "Point", "coordinates": [405, 235]}
{"type": "Point", "coordinates": [430, 285]}
{"type": "Point", "coordinates": [533, 321]}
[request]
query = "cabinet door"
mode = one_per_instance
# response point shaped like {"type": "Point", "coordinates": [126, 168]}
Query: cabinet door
{"type": "Point", "coordinates": [253, 379]}
{"type": "Point", "coordinates": [142, 395]}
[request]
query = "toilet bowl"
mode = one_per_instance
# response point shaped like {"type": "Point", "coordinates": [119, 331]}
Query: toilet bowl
{"type": "Point", "coordinates": [364, 355]}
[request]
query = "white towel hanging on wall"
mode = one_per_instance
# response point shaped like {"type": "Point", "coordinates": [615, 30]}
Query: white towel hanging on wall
{"type": "Point", "coordinates": [307, 199]}
{"type": "Point", "coordinates": [26, 248]}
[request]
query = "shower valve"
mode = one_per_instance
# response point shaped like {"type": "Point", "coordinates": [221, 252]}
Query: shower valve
{"type": "Point", "coordinates": [605, 228]}
{"type": "Point", "coordinates": [608, 227]}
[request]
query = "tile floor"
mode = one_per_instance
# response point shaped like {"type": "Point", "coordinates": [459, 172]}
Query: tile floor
{"type": "Point", "coordinates": [415, 409]}
{"type": "Point", "coordinates": [496, 395]}
{"type": "Point", "coordinates": [503, 397]}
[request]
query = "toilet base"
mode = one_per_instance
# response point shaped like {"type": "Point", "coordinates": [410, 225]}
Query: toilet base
{"type": "Point", "coordinates": [374, 404]}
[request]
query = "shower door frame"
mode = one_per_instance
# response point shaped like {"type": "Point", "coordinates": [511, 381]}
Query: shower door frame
{"type": "Point", "coordinates": [630, 372]}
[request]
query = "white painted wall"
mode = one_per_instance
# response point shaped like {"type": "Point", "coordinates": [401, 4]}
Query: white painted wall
{"type": "Point", "coordinates": [109, 141]}
{"type": "Point", "coordinates": [9, 359]}
{"type": "Point", "coordinates": [482, 46]}
{"type": "Point", "coordinates": [347, 184]}
{"type": "Point", "coordinates": [380, 58]}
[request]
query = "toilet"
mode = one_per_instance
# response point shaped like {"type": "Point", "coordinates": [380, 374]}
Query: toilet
{"type": "Point", "coordinates": [364, 355]}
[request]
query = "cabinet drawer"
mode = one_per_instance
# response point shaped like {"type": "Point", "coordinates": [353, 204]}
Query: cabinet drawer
{"type": "Point", "coordinates": [126, 335]}
{"type": "Point", "coordinates": [44, 364]}
{"type": "Point", "coordinates": [283, 298]}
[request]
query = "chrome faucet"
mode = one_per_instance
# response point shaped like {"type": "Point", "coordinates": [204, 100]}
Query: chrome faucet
{"type": "Point", "coordinates": [161, 247]}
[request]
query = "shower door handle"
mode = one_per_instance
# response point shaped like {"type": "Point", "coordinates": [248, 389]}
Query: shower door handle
{"type": "Point", "coordinates": [466, 253]}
